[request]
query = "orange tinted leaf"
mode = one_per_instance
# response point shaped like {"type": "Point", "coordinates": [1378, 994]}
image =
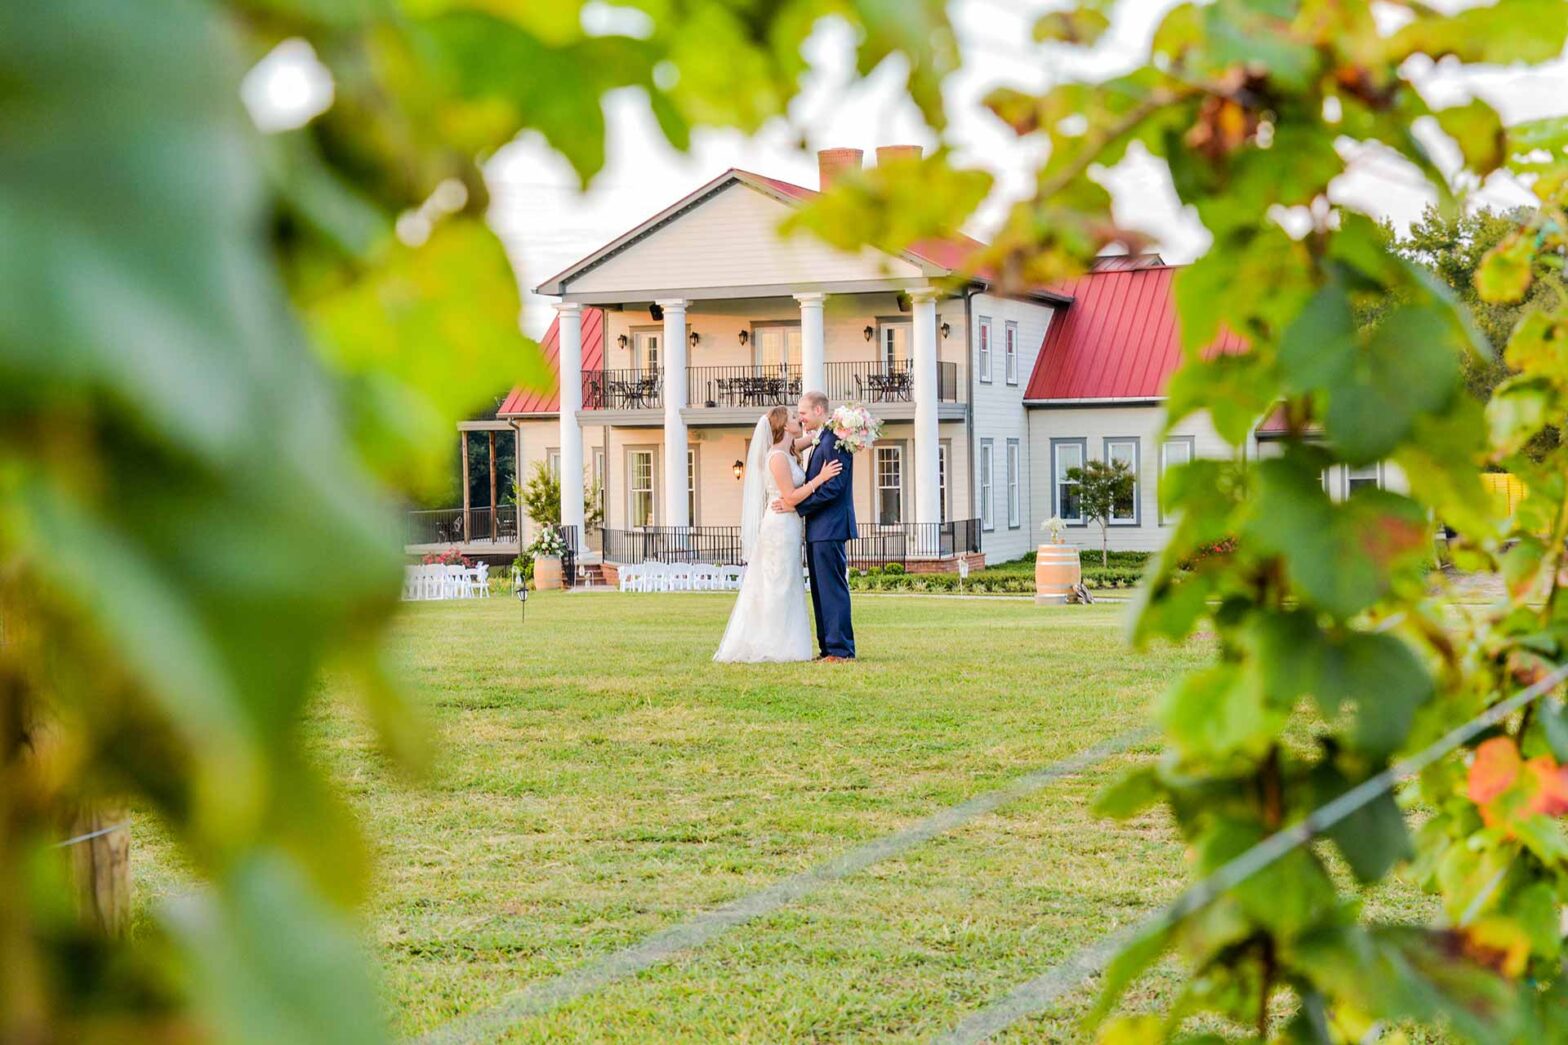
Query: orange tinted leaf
{"type": "Point", "coordinates": [1551, 786]}
{"type": "Point", "coordinates": [1494, 770]}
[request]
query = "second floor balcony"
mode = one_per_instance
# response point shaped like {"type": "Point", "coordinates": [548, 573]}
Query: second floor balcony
{"type": "Point", "coordinates": [719, 388]}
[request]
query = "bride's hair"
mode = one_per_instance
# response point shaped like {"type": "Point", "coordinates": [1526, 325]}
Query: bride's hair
{"type": "Point", "coordinates": [778, 417]}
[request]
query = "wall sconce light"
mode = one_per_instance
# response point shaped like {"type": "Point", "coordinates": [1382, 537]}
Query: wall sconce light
{"type": "Point", "coordinates": [745, 336]}
{"type": "Point", "coordinates": [738, 469]}
{"type": "Point", "coordinates": [694, 339]}
{"type": "Point", "coordinates": [623, 341]}
{"type": "Point", "coordinates": [870, 332]}
{"type": "Point", "coordinates": [946, 330]}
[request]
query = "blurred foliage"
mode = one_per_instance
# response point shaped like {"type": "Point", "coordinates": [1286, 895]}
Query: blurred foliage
{"type": "Point", "coordinates": [219, 367]}
{"type": "Point", "coordinates": [1329, 630]}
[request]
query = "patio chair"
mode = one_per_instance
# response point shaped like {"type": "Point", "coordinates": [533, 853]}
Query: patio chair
{"type": "Point", "coordinates": [704, 577]}
{"type": "Point", "coordinates": [730, 577]}
{"type": "Point", "coordinates": [680, 577]}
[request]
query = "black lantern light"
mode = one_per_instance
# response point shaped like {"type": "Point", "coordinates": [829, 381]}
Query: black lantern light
{"type": "Point", "coordinates": [623, 340]}
{"type": "Point", "coordinates": [739, 468]}
{"type": "Point", "coordinates": [745, 336]}
{"type": "Point", "coordinates": [946, 330]}
{"type": "Point", "coordinates": [656, 311]}
{"type": "Point", "coordinates": [694, 339]}
{"type": "Point", "coordinates": [870, 332]}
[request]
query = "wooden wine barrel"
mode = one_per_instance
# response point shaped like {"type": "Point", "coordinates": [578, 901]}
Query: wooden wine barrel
{"type": "Point", "coordinates": [547, 573]}
{"type": "Point", "coordinates": [1056, 573]}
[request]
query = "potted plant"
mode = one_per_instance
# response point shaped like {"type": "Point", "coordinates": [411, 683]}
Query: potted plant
{"type": "Point", "coordinates": [1056, 568]}
{"type": "Point", "coordinates": [546, 552]}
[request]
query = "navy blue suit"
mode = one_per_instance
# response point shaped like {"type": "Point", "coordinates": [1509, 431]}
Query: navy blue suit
{"type": "Point", "coordinates": [830, 523]}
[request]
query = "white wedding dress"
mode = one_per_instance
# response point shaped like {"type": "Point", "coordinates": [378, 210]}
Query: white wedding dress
{"type": "Point", "coordinates": [770, 621]}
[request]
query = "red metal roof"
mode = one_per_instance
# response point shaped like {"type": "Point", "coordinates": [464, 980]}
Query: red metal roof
{"type": "Point", "coordinates": [534, 401]}
{"type": "Point", "coordinates": [1117, 340]}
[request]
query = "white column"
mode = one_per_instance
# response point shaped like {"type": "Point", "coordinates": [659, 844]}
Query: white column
{"type": "Point", "coordinates": [674, 363]}
{"type": "Point", "coordinates": [813, 344]}
{"type": "Point", "coordinates": [570, 332]}
{"type": "Point", "coordinates": [928, 494]}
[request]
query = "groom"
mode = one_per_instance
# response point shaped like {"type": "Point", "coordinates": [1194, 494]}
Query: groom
{"type": "Point", "coordinates": [830, 523]}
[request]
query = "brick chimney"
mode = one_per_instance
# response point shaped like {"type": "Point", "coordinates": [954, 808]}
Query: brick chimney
{"type": "Point", "coordinates": [887, 153]}
{"type": "Point", "coordinates": [833, 162]}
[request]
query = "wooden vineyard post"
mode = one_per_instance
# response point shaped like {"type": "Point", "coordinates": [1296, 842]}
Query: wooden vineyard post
{"type": "Point", "coordinates": [101, 866]}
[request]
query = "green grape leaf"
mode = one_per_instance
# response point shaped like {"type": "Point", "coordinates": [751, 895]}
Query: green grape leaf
{"type": "Point", "coordinates": [1478, 131]}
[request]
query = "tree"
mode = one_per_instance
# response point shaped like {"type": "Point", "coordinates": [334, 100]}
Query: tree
{"type": "Point", "coordinates": [541, 498]}
{"type": "Point", "coordinates": [1453, 245]}
{"type": "Point", "coordinates": [1104, 489]}
{"type": "Point", "coordinates": [223, 350]}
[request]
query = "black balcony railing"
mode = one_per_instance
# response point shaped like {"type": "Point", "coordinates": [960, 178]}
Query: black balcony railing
{"type": "Point", "coordinates": [881, 543]}
{"type": "Point", "coordinates": [445, 526]}
{"type": "Point", "coordinates": [879, 382]}
{"type": "Point", "coordinates": [718, 545]}
{"type": "Point", "coordinates": [714, 386]}
{"type": "Point", "coordinates": [623, 389]}
{"type": "Point", "coordinates": [876, 544]}
{"type": "Point", "coordinates": [777, 384]}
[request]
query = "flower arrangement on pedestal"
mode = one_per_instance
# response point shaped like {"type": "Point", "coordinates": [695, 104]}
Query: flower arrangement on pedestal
{"type": "Point", "coordinates": [1054, 526]}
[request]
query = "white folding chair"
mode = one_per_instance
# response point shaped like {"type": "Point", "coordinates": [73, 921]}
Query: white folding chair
{"type": "Point", "coordinates": [630, 576]}
{"type": "Point", "coordinates": [481, 577]}
{"type": "Point", "coordinates": [410, 583]}
{"type": "Point", "coordinates": [704, 577]}
{"type": "Point", "coordinates": [680, 577]}
{"type": "Point", "coordinates": [731, 576]}
{"type": "Point", "coordinates": [457, 583]}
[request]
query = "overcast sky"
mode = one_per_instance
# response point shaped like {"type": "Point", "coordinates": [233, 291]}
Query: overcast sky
{"type": "Point", "coordinates": [547, 224]}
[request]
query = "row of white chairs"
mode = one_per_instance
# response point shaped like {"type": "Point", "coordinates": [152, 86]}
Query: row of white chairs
{"type": "Point", "coordinates": [680, 576]}
{"type": "Point", "coordinates": [446, 582]}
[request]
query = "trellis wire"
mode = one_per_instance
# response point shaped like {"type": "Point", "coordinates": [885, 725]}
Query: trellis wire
{"type": "Point", "coordinates": [89, 836]}
{"type": "Point", "coordinates": [1039, 993]}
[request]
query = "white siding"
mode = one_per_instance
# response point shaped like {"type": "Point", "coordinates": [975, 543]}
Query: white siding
{"type": "Point", "coordinates": [1094, 425]}
{"type": "Point", "coordinates": [999, 414]}
{"type": "Point", "coordinates": [718, 324]}
{"type": "Point", "coordinates": [732, 240]}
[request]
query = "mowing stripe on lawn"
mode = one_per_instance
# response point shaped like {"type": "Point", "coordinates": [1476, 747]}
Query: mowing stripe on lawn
{"type": "Point", "coordinates": [544, 995]}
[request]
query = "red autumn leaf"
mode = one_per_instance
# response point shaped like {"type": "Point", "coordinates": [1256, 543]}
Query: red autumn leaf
{"type": "Point", "coordinates": [1494, 770]}
{"type": "Point", "coordinates": [1551, 795]}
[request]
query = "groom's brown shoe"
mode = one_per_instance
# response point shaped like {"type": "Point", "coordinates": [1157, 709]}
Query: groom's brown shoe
{"type": "Point", "coordinates": [830, 659]}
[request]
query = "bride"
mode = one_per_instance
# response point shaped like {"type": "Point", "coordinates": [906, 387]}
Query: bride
{"type": "Point", "coordinates": [769, 621]}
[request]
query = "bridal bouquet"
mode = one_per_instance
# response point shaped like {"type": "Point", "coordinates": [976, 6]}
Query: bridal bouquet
{"type": "Point", "coordinates": [855, 426]}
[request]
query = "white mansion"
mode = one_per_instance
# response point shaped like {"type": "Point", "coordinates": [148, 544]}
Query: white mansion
{"type": "Point", "coordinates": [672, 339]}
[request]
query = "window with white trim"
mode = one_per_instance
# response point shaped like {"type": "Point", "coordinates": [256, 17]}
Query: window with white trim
{"type": "Point", "coordinates": [1010, 352]}
{"type": "Point", "coordinates": [691, 486]}
{"type": "Point", "coordinates": [1367, 476]}
{"type": "Point", "coordinates": [987, 520]}
{"type": "Point", "coordinates": [1014, 500]}
{"type": "Point", "coordinates": [890, 484]}
{"type": "Point", "coordinates": [1173, 454]}
{"type": "Point", "coordinates": [552, 462]}
{"type": "Point", "coordinates": [941, 480]}
{"type": "Point", "coordinates": [645, 350]}
{"type": "Point", "coordinates": [985, 349]}
{"type": "Point", "coordinates": [600, 479]}
{"type": "Point", "coordinates": [895, 346]}
{"type": "Point", "coordinates": [1125, 511]}
{"type": "Point", "coordinates": [639, 488]}
{"type": "Point", "coordinates": [1066, 454]}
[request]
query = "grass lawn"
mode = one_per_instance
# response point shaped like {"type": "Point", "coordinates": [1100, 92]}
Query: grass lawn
{"type": "Point", "coordinates": [601, 779]}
